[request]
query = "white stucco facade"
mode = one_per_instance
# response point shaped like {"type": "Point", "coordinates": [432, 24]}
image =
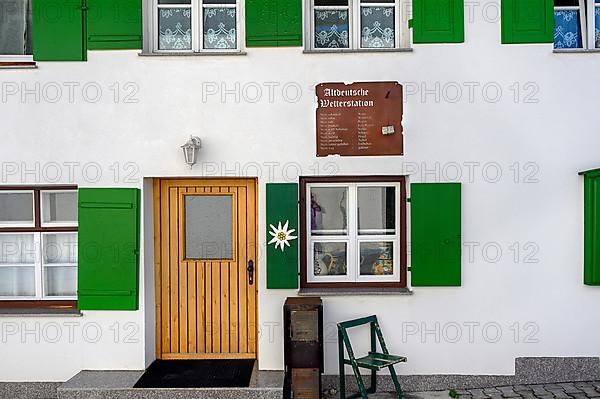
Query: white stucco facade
{"type": "Point", "coordinates": [517, 153]}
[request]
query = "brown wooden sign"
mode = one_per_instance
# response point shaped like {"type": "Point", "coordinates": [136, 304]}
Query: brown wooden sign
{"type": "Point", "coordinates": [359, 119]}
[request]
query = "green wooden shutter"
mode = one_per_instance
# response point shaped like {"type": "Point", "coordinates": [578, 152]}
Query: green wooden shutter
{"type": "Point", "coordinates": [527, 21]}
{"type": "Point", "coordinates": [282, 209]}
{"type": "Point", "coordinates": [114, 24]}
{"type": "Point", "coordinates": [591, 225]}
{"type": "Point", "coordinates": [58, 30]}
{"type": "Point", "coordinates": [435, 210]}
{"type": "Point", "coordinates": [108, 248]}
{"type": "Point", "coordinates": [273, 23]}
{"type": "Point", "coordinates": [438, 21]}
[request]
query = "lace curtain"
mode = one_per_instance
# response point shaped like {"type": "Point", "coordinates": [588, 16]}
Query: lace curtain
{"type": "Point", "coordinates": [377, 27]}
{"type": "Point", "coordinates": [175, 28]}
{"type": "Point", "coordinates": [331, 29]}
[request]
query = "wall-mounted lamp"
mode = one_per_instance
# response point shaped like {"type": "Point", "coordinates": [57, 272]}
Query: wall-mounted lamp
{"type": "Point", "coordinates": [190, 150]}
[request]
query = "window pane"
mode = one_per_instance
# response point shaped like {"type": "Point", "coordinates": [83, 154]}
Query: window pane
{"type": "Point", "coordinates": [17, 249]}
{"type": "Point", "coordinates": [60, 248]}
{"type": "Point", "coordinates": [16, 208]}
{"type": "Point", "coordinates": [567, 30]}
{"type": "Point", "coordinates": [218, 1]}
{"type": "Point", "coordinates": [15, 27]}
{"type": "Point", "coordinates": [325, 3]}
{"type": "Point", "coordinates": [330, 259]}
{"type": "Point", "coordinates": [377, 27]}
{"type": "Point", "coordinates": [174, 1]}
{"type": "Point", "coordinates": [597, 16]}
{"type": "Point", "coordinates": [376, 258]}
{"type": "Point", "coordinates": [175, 29]}
{"type": "Point", "coordinates": [329, 210]}
{"type": "Point", "coordinates": [60, 281]}
{"type": "Point", "coordinates": [331, 29]}
{"type": "Point", "coordinates": [220, 28]}
{"type": "Point", "coordinates": [376, 210]}
{"type": "Point", "coordinates": [17, 281]}
{"type": "Point", "coordinates": [208, 226]}
{"type": "Point", "coordinates": [59, 207]}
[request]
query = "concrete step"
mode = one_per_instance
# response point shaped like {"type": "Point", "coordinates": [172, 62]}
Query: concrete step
{"type": "Point", "coordinates": [119, 385]}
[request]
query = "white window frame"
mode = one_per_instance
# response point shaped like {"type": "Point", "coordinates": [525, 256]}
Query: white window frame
{"type": "Point", "coordinates": [20, 223]}
{"type": "Point", "coordinates": [587, 23]}
{"type": "Point", "coordinates": [197, 7]}
{"type": "Point", "coordinates": [353, 239]}
{"type": "Point", "coordinates": [54, 224]}
{"type": "Point", "coordinates": [38, 231]}
{"type": "Point", "coordinates": [402, 33]}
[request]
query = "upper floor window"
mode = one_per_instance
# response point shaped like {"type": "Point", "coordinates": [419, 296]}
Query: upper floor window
{"type": "Point", "coordinates": [577, 24]}
{"type": "Point", "coordinates": [356, 25]}
{"type": "Point", "coordinates": [15, 29]}
{"type": "Point", "coordinates": [197, 25]}
{"type": "Point", "coordinates": [38, 244]}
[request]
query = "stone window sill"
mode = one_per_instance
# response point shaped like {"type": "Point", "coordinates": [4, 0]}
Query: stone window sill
{"type": "Point", "coordinates": [355, 51]}
{"type": "Point", "coordinates": [22, 312]}
{"type": "Point", "coordinates": [17, 65]}
{"type": "Point", "coordinates": [577, 51]}
{"type": "Point", "coordinates": [353, 291]}
{"type": "Point", "coordinates": [190, 54]}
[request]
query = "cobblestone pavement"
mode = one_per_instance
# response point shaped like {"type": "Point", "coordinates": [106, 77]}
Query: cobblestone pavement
{"type": "Point", "coordinates": [566, 390]}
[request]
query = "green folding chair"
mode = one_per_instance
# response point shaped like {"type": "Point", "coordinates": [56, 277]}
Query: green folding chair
{"type": "Point", "coordinates": [374, 361]}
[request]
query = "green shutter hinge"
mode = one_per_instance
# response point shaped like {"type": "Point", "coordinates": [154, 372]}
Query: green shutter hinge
{"type": "Point", "coordinates": [409, 269]}
{"type": "Point", "coordinates": [411, 24]}
{"type": "Point", "coordinates": [408, 200]}
{"type": "Point", "coordinates": [84, 8]}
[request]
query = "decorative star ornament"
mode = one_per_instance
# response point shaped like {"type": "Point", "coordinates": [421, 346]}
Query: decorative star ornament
{"type": "Point", "coordinates": [281, 235]}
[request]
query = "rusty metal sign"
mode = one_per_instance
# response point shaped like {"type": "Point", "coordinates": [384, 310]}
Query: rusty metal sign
{"type": "Point", "coordinates": [359, 119]}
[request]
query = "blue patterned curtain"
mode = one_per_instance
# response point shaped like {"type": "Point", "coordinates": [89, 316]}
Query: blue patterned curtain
{"type": "Point", "coordinates": [567, 30]}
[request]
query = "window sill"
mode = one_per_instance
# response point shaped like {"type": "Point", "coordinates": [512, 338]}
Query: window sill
{"type": "Point", "coordinates": [18, 65]}
{"type": "Point", "coordinates": [353, 291]}
{"type": "Point", "coordinates": [354, 51]}
{"type": "Point", "coordinates": [40, 312]}
{"type": "Point", "coordinates": [576, 50]}
{"type": "Point", "coordinates": [188, 54]}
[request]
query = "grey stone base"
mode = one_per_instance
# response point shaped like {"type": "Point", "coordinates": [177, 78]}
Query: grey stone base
{"type": "Point", "coordinates": [528, 370]}
{"type": "Point", "coordinates": [268, 385]}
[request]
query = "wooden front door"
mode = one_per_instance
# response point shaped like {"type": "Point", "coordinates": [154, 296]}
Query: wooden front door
{"type": "Point", "coordinates": [205, 240]}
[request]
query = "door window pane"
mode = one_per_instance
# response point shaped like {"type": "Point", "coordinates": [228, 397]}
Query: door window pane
{"type": "Point", "coordinates": [208, 226]}
{"type": "Point", "coordinates": [329, 210]}
{"type": "Point", "coordinates": [59, 207]}
{"type": "Point", "coordinates": [220, 28]}
{"type": "Point", "coordinates": [175, 28]}
{"type": "Point", "coordinates": [16, 208]}
{"type": "Point", "coordinates": [331, 29]}
{"type": "Point", "coordinates": [17, 249]}
{"type": "Point", "coordinates": [60, 281]}
{"type": "Point", "coordinates": [376, 258]}
{"type": "Point", "coordinates": [376, 210]}
{"type": "Point", "coordinates": [60, 248]}
{"type": "Point", "coordinates": [330, 259]}
{"type": "Point", "coordinates": [377, 27]}
{"type": "Point", "coordinates": [17, 281]}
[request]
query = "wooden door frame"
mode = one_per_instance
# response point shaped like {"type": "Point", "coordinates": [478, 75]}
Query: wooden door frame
{"type": "Point", "coordinates": [157, 219]}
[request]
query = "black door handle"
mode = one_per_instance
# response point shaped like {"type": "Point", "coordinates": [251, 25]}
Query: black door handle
{"type": "Point", "coordinates": [250, 269]}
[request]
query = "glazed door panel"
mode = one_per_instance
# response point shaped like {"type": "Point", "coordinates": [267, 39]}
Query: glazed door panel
{"type": "Point", "coordinates": [205, 239]}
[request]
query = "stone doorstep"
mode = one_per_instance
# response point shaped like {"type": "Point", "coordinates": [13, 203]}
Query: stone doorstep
{"type": "Point", "coordinates": [119, 385]}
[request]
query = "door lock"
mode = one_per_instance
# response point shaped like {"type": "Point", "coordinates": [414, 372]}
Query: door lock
{"type": "Point", "coordinates": [250, 269]}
